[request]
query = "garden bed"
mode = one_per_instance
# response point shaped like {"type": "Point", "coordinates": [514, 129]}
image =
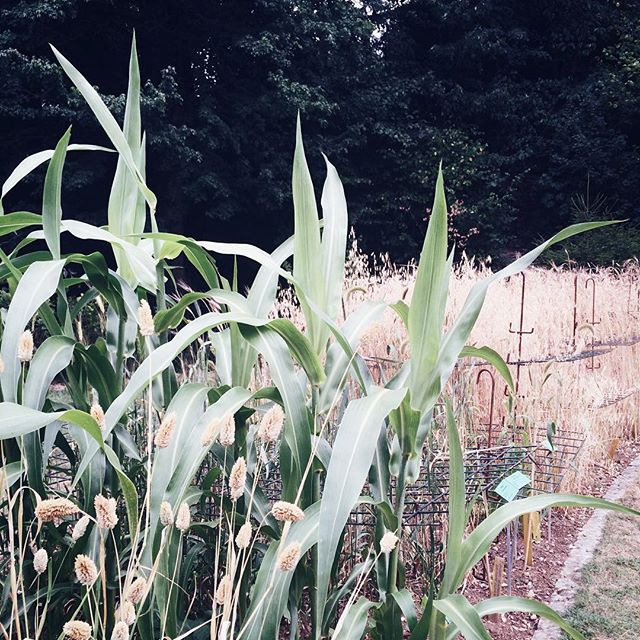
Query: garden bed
{"type": "Point", "coordinates": [549, 555]}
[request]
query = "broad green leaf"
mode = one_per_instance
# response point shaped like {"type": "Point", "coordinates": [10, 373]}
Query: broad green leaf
{"type": "Point", "coordinates": [454, 341]}
{"type": "Point", "coordinates": [334, 240]}
{"type": "Point", "coordinates": [11, 222]}
{"type": "Point", "coordinates": [462, 614]}
{"type": "Point", "coordinates": [428, 303]}
{"type": "Point", "coordinates": [188, 405]}
{"type": "Point", "coordinates": [405, 601]}
{"type": "Point", "coordinates": [481, 538]}
{"type": "Point", "coordinates": [126, 211]}
{"type": "Point", "coordinates": [18, 420]}
{"type": "Point", "coordinates": [9, 475]}
{"type": "Point", "coordinates": [351, 459]}
{"type": "Point", "coordinates": [493, 358]}
{"type": "Point", "coordinates": [263, 258]}
{"type": "Point", "coordinates": [271, 588]}
{"type": "Point", "coordinates": [334, 600]}
{"type": "Point", "coordinates": [108, 123]}
{"type": "Point", "coordinates": [405, 422]}
{"type": "Point", "coordinates": [128, 491]}
{"type": "Point", "coordinates": [307, 248]}
{"type": "Point", "coordinates": [36, 286]}
{"type": "Point", "coordinates": [262, 295]}
{"type": "Point", "coordinates": [173, 317]}
{"type": "Point", "coordinates": [300, 348]}
{"type": "Point", "coordinates": [508, 604]}
{"type": "Point", "coordinates": [51, 357]}
{"type": "Point", "coordinates": [297, 426]}
{"type": "Point", "coordinates": [338, 361]}
{"type": "Point", "coordinates": [141, 261]}
{"type": "Point", "coordinates": [189, 449]}
{"type": "Point", "coordinates": [34, 161]}
{"type": "Point", "coordinates": [457, 502]}
{"type": "Point", "coordinates": [353, 621]}
{"type": "Point", "coordinates": [52, 196]}
{"type": "Point", "coordinates": [157, 361]}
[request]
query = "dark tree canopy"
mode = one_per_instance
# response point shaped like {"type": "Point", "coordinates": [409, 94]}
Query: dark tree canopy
{"type": "Point", "coordinates": [531, 106]}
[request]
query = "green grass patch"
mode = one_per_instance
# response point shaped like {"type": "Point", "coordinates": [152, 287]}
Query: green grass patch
{"type": "Point", "coordinates": [607, 606]}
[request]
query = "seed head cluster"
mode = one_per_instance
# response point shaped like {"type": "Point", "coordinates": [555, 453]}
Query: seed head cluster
{"type": "Point", "coordinates": [166, 514]}
{"type": "Point", "coordinates": [223, 589]}
{"type": "Point", "coordinates": [288, 559]}
{"type": "Point", "coordinates": [25, 346]}
{"type": "Point", "coordinates": [271, 424]}
{"type": "Point", "coordinates": [227, 434]}
{"type": "Point", "coordinates": [40, 561]}
{"type": "Point", "coordinates": [145, 319]}
{"type": "Point", "coordinates": [97, 414]}
{"type": "Point", "coordinates": [55, 509]}
{"type": "Point", "coordinates": [243, 538]}
{"type": "Point", "coordinates": [106, 515]}
{"type": "Point", "coordinates": [287, 511]}
{"type": "Point", "coordinates": [165, 431]}
{"type": "Point", "coordinates": [237, 478]}
{"type": "Point", "coordinates": [86, 571]}
{"type": "Point", "coordinates": [80, 528]}
{"type": "Point", "coordinates": [183, 519]}
{"type": "Point", "coordinates": [135, 592]}
{"type": "Point", "coordinates": [388, 542]}
{"type": "Point", "coordinates": [120, 631]}
{"type": "Point", "coordinates": [210, 433]}
{"type": "Point", "coordinates": [126, 613]}
{"type": "Point", "coordinates": [76, 630]}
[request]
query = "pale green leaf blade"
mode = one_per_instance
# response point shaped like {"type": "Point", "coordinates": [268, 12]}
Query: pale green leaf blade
{"type": "Point", "coordinates": [428, 302]}
{"type": "Point", "coordinates": [338, 362]}
{"type": "Point", "coordinates": [36, 286]}
{"type": "Point", "coordinates": [508, 604]}
{"type": "Point", "coordinates": [307, 249]}
{"type": "Point", "coordinates": [157, 361]}
{"type": "Point", "coordinates": [334, 240]}
{"type": "Point", "coordinates": [128, 491]}
{"type": "Point", "coordinates": [18, 220]}
{"type": "Point", "coordinates": [32, 162]}
{"type": "Point", "coordinates": [108, 123]}
{"type": "Point", "coordinates": [271, 588]}
{"type": "Point", "coordinates": [481, 538]}
{"type": "Point", "coordinates": [353, 621]}
{"type": "Point", "coordinates": [462, 614]}
{"type": "Point", "coordinates": [51, 357]}
{"type": "Point", "coordinates": [351, 459]}
{"type": "Point", "coordinates": [297, 426]}
{"type": "Point", "coordinates": [493, 358]}
{"type": "Point", "coordinates": [300, 348]}
{"type": "Point", "coordinates": [456, 337]}
{"type": "Point", "coordinates": [457, 502]}
{"type": "Point", "coordinates": [18, 420]}
{"type": "Point", "coordinates": [52, 196]}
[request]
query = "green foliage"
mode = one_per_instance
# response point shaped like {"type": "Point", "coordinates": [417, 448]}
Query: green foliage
{"type": "Point", "coordinates": [520, 102]}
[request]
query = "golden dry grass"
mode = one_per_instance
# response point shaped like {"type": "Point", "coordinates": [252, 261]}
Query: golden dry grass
{"type": "Point", "coordinates": [602, 404]}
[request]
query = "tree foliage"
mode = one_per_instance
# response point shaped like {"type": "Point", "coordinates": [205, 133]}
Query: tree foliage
{"type": "Point", "coordinates": [524, 103]}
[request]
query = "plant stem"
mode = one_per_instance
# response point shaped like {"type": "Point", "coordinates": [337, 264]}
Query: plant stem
{"type": "Point", "coordinates": [398, 511]}
{"type": "Point", "coordinates": [161, 302]}
{"type": "Point", "coordinates": [120, 350]}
